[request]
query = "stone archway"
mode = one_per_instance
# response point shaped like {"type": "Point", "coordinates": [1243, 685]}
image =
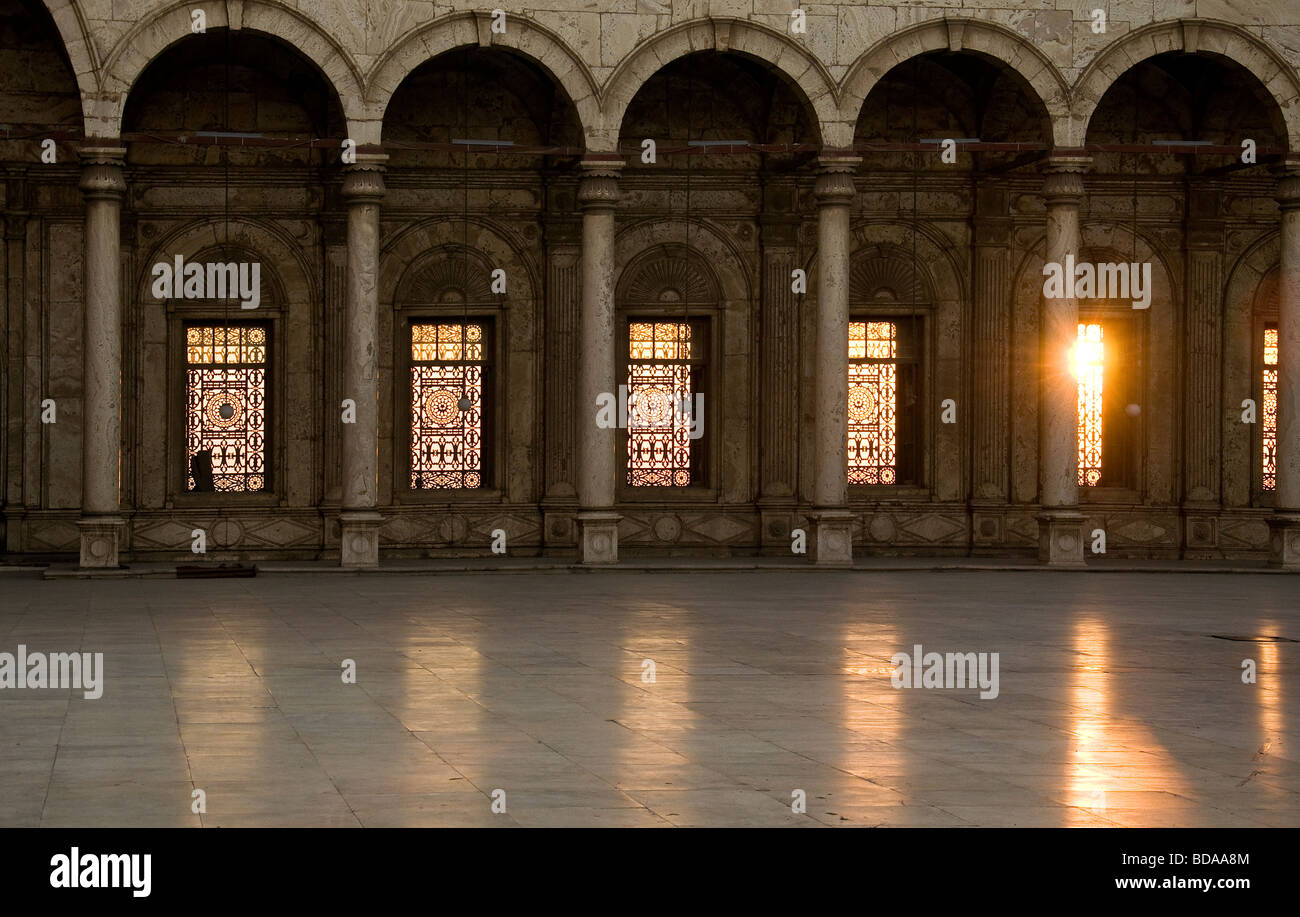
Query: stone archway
{"type": "Point", "coordinates": [960, 34]}
{"type": "Point", "coordinates": [565, 68]}
{"type": "Point", "coordinates": [1191, 36]}
{"type": "Point", "coordinates": [796, 63]}
{"type": "Point", "coordinates": [139, 47]}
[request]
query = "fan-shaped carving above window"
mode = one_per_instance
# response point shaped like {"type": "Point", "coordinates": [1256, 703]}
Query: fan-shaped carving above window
{"type": "Point", "coordinates": [1266, 295]}
{"type": "Point", "coordinates": [447, 277]}
{"type": "Point", "coordinates": [229, 265]}
{"type": "Point", "coordinates": [668, 276]}
{"type": "Point", "coordinates": [886, 278]}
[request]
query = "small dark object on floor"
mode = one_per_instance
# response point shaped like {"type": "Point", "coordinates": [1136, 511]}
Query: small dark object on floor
{"type": "Point", "coordinates": [210, 571]}
{"type": "Point", "coordinates": [1245, 638]}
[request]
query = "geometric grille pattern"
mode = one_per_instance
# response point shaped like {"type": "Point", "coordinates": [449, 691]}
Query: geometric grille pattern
{"type": "Point", "coordinates": [1089, 360]}
{"type": "Point", "coordinates": [659, 399]}
{"type": "Point", "coordinates": [446, 442]}
{"type": "Point", "coordinates": [225, 412]}
{"type": "Point", "coordinates": [873, 403]}
{"type": "Point", "coordinates": [1270, 409]}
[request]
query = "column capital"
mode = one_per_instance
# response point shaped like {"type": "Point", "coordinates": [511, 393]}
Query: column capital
{"type": "Point", "coordinates": [101, 171]}
{"type": "Point", "coordinates": [835, 171]}
{"type": "Point", "coordinates": [363, 180]}
{"type": "Point", "coordinates": [1288, 188]}
{"type": "Point", "coordinates": [598, 184]}
{"type": "Point", "coordinates": [1063, 177]}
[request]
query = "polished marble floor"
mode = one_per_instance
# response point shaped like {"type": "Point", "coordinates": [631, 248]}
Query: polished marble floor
{"type": "Point", "coordinates": [1116, 704]}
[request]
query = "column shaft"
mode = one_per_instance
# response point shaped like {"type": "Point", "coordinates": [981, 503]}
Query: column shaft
{"type": "Point", "coordinates": [101, 528]}
{"type": "Point", "coordinates": [596, 466]}
{"type": "Point", "coordinates": [1061, 525]}
{"type": "Point", "coordinates": [363, 189]}
{"type": "Point", "coordinates": [833, 536]}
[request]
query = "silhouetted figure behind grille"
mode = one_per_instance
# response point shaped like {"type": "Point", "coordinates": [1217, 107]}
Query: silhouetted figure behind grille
{"type": "Point", "coordinates": [201, 471]}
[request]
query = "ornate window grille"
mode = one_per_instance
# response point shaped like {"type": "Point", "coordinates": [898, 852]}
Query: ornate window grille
{"type": "Point", "coordinates": [664, 375]}
{"type": "Point", "coordinates": [1270, 408]}
{"type": "Point", "coordinates": [447, 366]}
{"type": "Point", "coordinates": [1090, 367]}
{"type": "Point", "coordinates": [873, 402]}
{"type": "Point", "coordinates": [225, 414]}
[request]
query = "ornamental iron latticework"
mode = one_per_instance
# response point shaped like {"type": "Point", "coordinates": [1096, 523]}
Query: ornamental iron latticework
{"type": "Point", "coordinates": [1090, 367]}
{"type": "Point", "coordinates": [226, 406]}
{"type": "Point", "coordinates": [1270, 408]}
{"type": "Point", "coordinates": [873, 403]}
{"type": "Point", "coordinates": [447, 361]}
{"type": "Point", "coordinates": [659, 393]}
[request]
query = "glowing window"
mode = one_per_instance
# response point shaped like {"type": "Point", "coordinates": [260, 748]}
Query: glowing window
{"type": "Point", "coordinates": [447, 361]}
{"type": "Point", "coordinates": [662, 381]}
{"type": "Point", "coordinates": [1270, 408]}
{"type": "Point", "coordinates": [873, 403]}
{"type": "Point", "coordinates": [1090, 364]}
{"type": "Point", "coordinates": [225, 408]}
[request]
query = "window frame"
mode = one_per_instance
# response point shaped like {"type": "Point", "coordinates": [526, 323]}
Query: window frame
{"type": "Point", "coordinates": [1132, 344]}
{"type": "Point", "coordinates": [1259, 496]}
{"type": "Point", "coordinates": [181, 315]}
{"type": "Point", "coordinates": [917, 481]}
{"type": "Point", "coordinates": [492, 423]}
{"type": "Point", "coordinates": [702, 383]}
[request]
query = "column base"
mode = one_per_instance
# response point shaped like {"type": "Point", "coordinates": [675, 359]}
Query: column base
{"type": "Point", "coordinates": [832, 537]}
{"type": "Point", "coordinates": [1060, 539]}
{"type": "Point", "coordinates": [359, 539]}
{"type": "Point", "coordinates": [1284, 541]}
{"type": "Point", "coordinates": [101, 540]}
{"type": "Point", "coordinates": [598, 538]}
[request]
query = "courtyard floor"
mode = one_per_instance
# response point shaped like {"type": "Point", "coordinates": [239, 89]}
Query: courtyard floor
{"type": "Point", "coordinates": [656, 699]}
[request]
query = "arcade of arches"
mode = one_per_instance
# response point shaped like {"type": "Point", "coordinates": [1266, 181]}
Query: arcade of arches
{"type": "Point", "coordinates": [504, 317]}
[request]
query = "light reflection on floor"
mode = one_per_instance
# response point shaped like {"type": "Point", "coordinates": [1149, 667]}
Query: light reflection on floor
{"type": "Point", "coordinates": [656, 699]}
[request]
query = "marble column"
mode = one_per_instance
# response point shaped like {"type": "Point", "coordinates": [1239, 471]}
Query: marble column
{"type": "Point", "coordinates": [597, 468]}
{"type": "Point", "coordinates": [562, 230]}
{"type": "Point", "coordinates": [779, 356]}
{"type": "Point", "coordinates": [832, 536]}
{"type": "Point", "coordinates": [101, 526]}
{"type": "Point", "coordinates": [990, 364]}
{"type": "Point", "coordinates": [359, 521]}
{"type": "Point", "coordinates": [1203, 378]}
{"type": "Point", "coordinates": [1284, 543]}
{"type": "Point", "coordinates": [1060, 525]}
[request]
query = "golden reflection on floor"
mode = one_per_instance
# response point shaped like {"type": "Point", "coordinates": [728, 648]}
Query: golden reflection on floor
{"type": "Point", "coordinates": [1114, 762]}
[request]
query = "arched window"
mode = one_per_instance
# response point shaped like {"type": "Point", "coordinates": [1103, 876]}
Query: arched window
{"type": "Point", "coordinates": [224, 308]}
{"type": "Point", "coordinates": [668, 300]}
{"type": "Point", "coordinates": [446, 339]}
{"type": "Point", "coordinates": [888, 304]}
{"type": "Point", "coordinates": [1264, 345]}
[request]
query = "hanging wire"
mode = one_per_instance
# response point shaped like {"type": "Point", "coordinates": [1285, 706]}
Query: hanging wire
{"type": "Point", "coordinates": [464, 404]}
{"type": "Point", "coordinates": [690, 129]}
{"type": "Point", "coordinates": [1136, 165]}
{"type": "Point", "coordinates": [226, 410]}
{"type": "Point", "coordinates": [916, 168]}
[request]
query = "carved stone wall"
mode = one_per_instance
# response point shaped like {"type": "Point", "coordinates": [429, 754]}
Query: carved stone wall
{"type": "Point", "coordinates": [732, 224]}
